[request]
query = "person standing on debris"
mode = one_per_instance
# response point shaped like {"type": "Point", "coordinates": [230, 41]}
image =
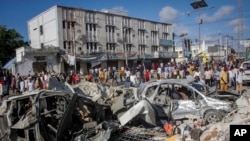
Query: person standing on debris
{"type": "Point", "coordinates": [231, 77]}
{"type": "Point", "coordinates": [142, 85]}
{"type": "Point", "coordinates": [106, 75]}
{"type": "Point", "coordinates": [128, 83]}
{"type": "Point", "coordinates": [13, 84]}
{"type": "Point", "coordinates": [239, 80]}
{"type": "Point", "coordinates": [26, 81]}
{"type": "Point", "coordinates": [101, 75]}
{"type": "Point", "coordinates": [30, 85]}
{"type": "Point", "coordinates": [207, 76]}
{"type": "Point", "coordinates": [121, 73]}
{"type": "Point", "coordinates": [115, 77]}
{"type": "Point", "coordinates": [127, 72]}
{"type": "Point", "coordinates": [21, 85]}
{"type": "Point", "coordinates": [147, 75]}
{"type": "Point", "coordinates": [36, 82]}
{"type": "Point", "coordinates": [217, 79]}
{"type": "Point", "coordinates": [133, 79]}
{"type": "Point", "coordinates": [223, 79]}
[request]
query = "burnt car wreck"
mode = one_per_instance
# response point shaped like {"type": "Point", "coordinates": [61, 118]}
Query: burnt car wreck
{"type": "Point", "coordinates": [97, 112]}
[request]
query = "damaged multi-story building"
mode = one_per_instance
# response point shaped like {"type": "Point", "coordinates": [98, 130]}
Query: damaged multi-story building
{"type": "Point", "coordinates": [65, 38]}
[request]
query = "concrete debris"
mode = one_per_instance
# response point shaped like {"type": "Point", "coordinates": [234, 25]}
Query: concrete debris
{"type": "Point", "coordinates": [94, 111]}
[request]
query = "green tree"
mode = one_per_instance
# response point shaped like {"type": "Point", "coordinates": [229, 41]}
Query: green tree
{"type": "Point", "coordinates": [10, 40]}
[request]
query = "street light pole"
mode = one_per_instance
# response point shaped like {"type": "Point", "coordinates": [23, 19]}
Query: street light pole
{"type": "Point", "coordinates": [197, 5]}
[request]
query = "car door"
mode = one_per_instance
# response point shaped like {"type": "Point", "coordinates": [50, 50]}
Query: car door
{"type": "Point", "coordinates": [186, 108]}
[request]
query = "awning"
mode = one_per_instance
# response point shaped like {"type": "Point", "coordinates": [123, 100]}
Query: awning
{"type": "Point", "coordinates": [69, 59]}
{"type": "Point", "coordinates": [8, 65]}
{"type": "Point", "coordinates": [96, 63]}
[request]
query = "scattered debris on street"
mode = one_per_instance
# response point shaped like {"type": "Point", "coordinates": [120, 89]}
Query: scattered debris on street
{"type": "Point", "coordinates": [97, 112]}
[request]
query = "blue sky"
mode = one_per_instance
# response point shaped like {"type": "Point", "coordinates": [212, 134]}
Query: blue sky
{"type": "Point", "coordinates": [219, 17]}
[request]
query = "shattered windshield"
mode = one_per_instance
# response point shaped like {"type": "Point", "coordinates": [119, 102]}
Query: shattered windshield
{"type": "Point", "coordinates": [204, 89]}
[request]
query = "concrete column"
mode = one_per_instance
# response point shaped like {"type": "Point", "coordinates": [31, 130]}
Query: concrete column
{"type": "Point", "coordinates": [83, 67]}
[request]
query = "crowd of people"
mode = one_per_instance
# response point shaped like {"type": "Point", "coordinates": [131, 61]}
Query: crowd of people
{"type": "Point", "coordinates": [222, 75]}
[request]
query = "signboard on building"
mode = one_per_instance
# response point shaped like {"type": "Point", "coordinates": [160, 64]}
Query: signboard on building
{"type": "Point", "coordinates": [212, 49]}
{"type": "Point", "coordinates": [165, 42]}
{"type": "Point", "coordinates": [245, 43]}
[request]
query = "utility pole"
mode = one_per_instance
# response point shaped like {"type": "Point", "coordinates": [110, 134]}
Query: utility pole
{"type": "Point", "coordinates": [240, 25]}
{"type": "Point", "coordinates": [125, 43]}
{"type": "Point", "coordinates": [219, 46]}
{"type": "Point", "coordinates": [226, 48]}
{"type": "Point", "coordinates": [74, 47]}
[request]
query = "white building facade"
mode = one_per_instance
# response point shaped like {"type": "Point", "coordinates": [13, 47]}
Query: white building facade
{"type": "Point", "coordinates": [99, 38]}
{"type": "Point", "coordinates": [212, 51]}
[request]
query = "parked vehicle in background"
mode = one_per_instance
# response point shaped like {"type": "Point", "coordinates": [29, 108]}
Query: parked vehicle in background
{"type": "Point", "coordinates": [246, 75]}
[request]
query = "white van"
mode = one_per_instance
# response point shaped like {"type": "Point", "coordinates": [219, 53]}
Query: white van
{"type": "Point", "coordinates": [246, 76]}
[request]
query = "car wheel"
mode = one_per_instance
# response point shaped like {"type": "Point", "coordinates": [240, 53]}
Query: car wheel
{"type": "Point", "coordinates": [213, 117]}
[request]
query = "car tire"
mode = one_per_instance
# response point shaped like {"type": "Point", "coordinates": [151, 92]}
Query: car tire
{"type": "Point", "coordinates": [213, 117]}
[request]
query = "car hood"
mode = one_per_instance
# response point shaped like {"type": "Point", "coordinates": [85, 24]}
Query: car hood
{"type": "Point", "coordinates": [219, 104]}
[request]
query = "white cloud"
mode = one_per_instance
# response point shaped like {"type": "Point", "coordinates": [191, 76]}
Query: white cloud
{"type": "Point", "coordinates": [180, 29]}
{"type": "Point", "coordinates": [238, 28]}
{"type": "Point", "coordinates": [221, 13]}
{"type": "Point", "coordinates": [168, 14]}
{"type": "Point", "coordinates": [118, 10]}
{"type": "Point", "coordinates": [235, 22]}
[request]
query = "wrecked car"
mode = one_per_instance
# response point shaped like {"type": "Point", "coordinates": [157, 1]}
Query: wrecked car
{"type": "Point", "coordinates": [51, 115]}
{"type": "Point", "coordinates": [60, 114]}
{"type": "Point", "coordinates": [176, 99]}
{"type": "Point", "coordinates": [124, 102]}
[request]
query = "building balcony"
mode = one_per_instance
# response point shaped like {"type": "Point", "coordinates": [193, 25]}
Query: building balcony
{"type": "Point", "coordinates": [46, 49]}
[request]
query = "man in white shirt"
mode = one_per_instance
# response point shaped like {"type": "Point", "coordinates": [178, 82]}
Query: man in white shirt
{"type": "Point", "coordinates": [239, 80]}
{"type": "Point", "coordinates": [231, 77]}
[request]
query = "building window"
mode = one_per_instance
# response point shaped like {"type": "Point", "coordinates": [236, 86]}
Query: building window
{"type": "Point", "coordinates": [141, 24]}
{"type": "Point", "coordinates": [90, 27]}
{"type": "Point", "coordinates": [164, 35]}
{"type": "Point", "coordinates": [154, 48]}
{"type": "Point", "coordinates": [64, 44]}
{"type": "Point", "coordinates": [91, 47]}
{"type": "Point", "coordinates": [110, 47]}
{"type": "Point", "coordinates": [165, 28]}
{"type": "Point", "coordinates": [142, 49]}
{"type": "Point", "coordinates": [154, 27]}
{"type": "Point", "coordinates": [64, 24]}
{"type": "Point", "coordinates": [141, 36]}
{"type": "Point", "coordinates": [90, 17]}
{"type": "Point", "coordinates": [109, 19]}
{"type": "Point", "coordinates": [42, 45]}
{"type": "Point", "coordinates": [127, 47]}
{"type": "Point", "coordinates": [110, 29]}
{"type": "Point", "coordinates": [125, 22]}
{"type": "Point", "coordinates": [41, 30]}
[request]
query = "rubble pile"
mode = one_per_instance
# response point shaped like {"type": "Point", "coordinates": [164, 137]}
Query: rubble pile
{"type": "Point", "coordinates": [220, 131]}
{"type": "Point", "coordinates": [94, 111]}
